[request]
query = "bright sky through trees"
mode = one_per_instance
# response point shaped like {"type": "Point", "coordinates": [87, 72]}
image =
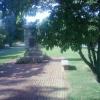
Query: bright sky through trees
{"type": "Point", "coordinates": [41, 14]}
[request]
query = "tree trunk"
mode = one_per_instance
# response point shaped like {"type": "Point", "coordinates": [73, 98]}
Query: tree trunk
{"type": "Point", "coordinates": [86, 61]}
{"type": "Point", "coordinates": [98, 62]}
{"type": "Point", "coordinates": [94, 62]}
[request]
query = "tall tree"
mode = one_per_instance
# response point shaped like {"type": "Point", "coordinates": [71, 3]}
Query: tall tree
{"type": "Point", "coordinates": [73, 24]}
{"type": "Point", "coordinates": [13, 11]}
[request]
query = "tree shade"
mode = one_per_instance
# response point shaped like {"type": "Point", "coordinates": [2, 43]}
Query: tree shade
{"type": "Point", "coordinates": [73, 24]}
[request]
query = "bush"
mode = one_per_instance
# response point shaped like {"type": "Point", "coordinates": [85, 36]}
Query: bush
{"type": "Point", "coordinates": [2, 37]}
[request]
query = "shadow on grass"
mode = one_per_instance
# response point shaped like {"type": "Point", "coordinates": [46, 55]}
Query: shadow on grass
{"type": "Point", "coordinates": [9, 57]}
{"type": "Point", "coordinates": [70, 67]}
{"type": "Point", "coordinates": [11, 51]}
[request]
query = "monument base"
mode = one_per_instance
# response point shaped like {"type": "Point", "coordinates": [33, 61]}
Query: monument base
{"type": "Point", "coordinates": [30, 60]}
{"type": "Point", "coordinates": [32, 55]}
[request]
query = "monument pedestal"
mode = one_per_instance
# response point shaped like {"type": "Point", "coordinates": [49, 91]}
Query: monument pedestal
{"type": "Point", "coordinates": [33, 53]}
{"type": "Point", "coordinates": [32, 56]}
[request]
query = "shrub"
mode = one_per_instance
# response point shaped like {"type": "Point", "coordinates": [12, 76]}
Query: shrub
{"type": "Point", "coordinates": [2, 37]}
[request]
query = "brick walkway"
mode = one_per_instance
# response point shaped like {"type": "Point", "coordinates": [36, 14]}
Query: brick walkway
{"type": "Point", "coordinates": [33, 82]}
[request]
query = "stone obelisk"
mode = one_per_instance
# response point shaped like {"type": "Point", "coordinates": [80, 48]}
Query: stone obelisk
{"type": "Point", "coordinates": [33, 53]}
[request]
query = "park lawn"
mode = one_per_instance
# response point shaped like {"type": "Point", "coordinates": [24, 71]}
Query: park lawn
{"type": "Point", "coordinates": [82, 81]}
{"type": "Point", "coordinates": [11, 54]}
{"type": "Point", "coordinates": [83, 85]}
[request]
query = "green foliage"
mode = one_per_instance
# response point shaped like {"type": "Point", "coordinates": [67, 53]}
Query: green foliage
{"type": "Point", "coordinates": [2, 37]}
{"type": "Point", "coordinates": [16, 6]}
{"type": "Point", "coordinates": [70, 25]}
{"type": "Point", "coordinates": [13, 18]}
{"type": "Point", "coordinates": [73, 24]}
{"type": "Point", "coordinates": [19, 36]}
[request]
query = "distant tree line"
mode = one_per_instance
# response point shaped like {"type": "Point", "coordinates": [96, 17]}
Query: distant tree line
{"type": "Point", "coordinates": [11, 14]}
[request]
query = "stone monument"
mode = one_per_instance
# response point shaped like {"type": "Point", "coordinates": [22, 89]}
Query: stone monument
{"type": "Point", "coordinates": [33, 53]}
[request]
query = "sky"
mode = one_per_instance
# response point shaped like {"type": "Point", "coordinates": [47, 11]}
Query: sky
{"type": "Point", "coordinates": [41, 14]}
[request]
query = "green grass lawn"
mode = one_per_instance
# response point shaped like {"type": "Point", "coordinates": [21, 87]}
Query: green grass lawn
{"type": "Point", "coordinates": [11, 54]}
{"type": "Point", "coordinates": [83, 85]}
{"type": "Point", "coordinates": [82, 81]}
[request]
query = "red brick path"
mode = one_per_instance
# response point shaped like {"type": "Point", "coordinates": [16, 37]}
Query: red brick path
{"type": "Point", "coordinates": [44, 81]}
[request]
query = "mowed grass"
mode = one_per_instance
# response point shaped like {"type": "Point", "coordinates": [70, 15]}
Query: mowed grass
{"type": "Point", "coordinates": [11, 54]}
{"type": "Point", "coordinates": [82, 81]}
{"type": "Point", "coordinates": [83, 85]}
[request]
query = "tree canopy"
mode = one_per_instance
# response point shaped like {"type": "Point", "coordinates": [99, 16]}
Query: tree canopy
{"type": "Point", "coordinates": [11, 14]}
{"type": "Point", "coordinates": [15, 6]}
{"type": "Point", "coordinates": [73, 24]}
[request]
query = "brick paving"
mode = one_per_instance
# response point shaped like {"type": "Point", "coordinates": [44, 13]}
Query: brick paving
{"type": "Point", "coordinates": [44, 81]}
